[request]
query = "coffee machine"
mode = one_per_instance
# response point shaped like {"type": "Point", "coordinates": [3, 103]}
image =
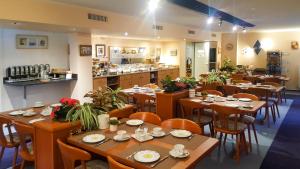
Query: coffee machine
{"type": "Point", "coordinates": [26, 72]}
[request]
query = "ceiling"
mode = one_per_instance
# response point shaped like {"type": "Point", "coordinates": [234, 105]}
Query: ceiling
{"type": "Point", "coordinates": [265, 14]}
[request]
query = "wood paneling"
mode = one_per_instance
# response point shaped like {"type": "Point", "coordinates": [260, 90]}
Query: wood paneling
{"type": "Point", "coordinates": [99, 82]}
{"type": "Point", "coordinates": [173, 73]}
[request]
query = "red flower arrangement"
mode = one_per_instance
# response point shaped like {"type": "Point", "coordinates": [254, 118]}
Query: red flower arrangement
{"type": "Point", "coordinates": [59, 112]}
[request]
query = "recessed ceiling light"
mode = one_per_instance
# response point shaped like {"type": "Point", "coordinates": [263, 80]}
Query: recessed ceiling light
{"type": "Point", "coordinates": [126, 33]}
{"type": "Point", "coordinates": [244, 30]}
{"type": "Point", "coordinates": [220, 22]}
{"type": "Point", "coordinates": [234, 28]}
{"type": "Point", "coordinates": [184, 39]}
{"type": "Point", "coordinates": [210, 20]}
{"type": "Point", "coordinates": [152, 5]}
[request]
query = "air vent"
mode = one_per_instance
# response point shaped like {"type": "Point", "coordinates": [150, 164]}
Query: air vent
{"type": "Point", "coordinates": [97, 17]}
{"type": "Point", "coordinates": [157, 27]}
{"type": "Point", "coordinates": [191, 32]}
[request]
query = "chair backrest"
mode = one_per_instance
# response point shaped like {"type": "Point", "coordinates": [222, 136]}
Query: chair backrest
{"type": "Point", "coordinates": [213, 92]}
{"type": "Point", "coordinates": [261, 93]}
{"type": "Point", "coordinates": [211, 86]}
{"type": "Point", "coordinates": [246, 95]}
{"type": "Point", "coordinates": [253, 79]}
{"type": "Point", "coordinates": [4, 121]}
{"type": "Point", "coordinates": [24, 132]}
{"type": "Point", "coordinates": [237, 76]}
{"type": "Point", "coordinates": [113, 164]}
{"type": "Point", "coordinates": [225, 118]}
{"type": "Point", "coordinates": [147, 117]}
{"type": "Point", "coordinates": [182, 124]}
{"type": "Point", "coordinates": [71, 154]}
{"type": "Point", "coordinates": [230, 90]}
{"type": "Point", "coordinates": [151, 86]}
{"type": "Point", "coordinates": [140, 100]}
{"type": "Point", "coordinates": [187, 107]}
{"type": "Point", "coordinates": [273, 79]}
{"type": "Point", "coordinates": [241, 81]}
{"type": "Point", "coordinates": [272, 84]}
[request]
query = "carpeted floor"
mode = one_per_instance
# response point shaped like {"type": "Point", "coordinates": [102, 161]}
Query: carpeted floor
{"type": "Point", "coordinates": [278, 147]}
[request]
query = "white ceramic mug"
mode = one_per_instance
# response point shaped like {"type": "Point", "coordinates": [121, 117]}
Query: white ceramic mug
{"type": "Point", "coordinates": [122, 133]}
{"type": "Point", "coordinates": [39, 103]}
{"type": "Point", "coordinates": [157, 130]}
{"type": "Point", "coordinates": [179, 149]}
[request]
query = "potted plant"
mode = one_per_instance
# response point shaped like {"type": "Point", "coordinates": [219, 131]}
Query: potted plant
{"type": "Point", "coordinates": [190, 82]}
{"type": "Point", "coordinates": [60, 112]}
{"type": "Point", "coordinates": [86, 114]}
{"type": "Point", "coordinates": [113, 124]}
{"type": "Point", "coordinates": [228, 66]}
{"type": "Point", "coordinates": [204, 94]}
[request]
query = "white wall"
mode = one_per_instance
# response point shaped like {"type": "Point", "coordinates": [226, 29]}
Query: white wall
{"type": "Point", "coordinates": [56, 55]}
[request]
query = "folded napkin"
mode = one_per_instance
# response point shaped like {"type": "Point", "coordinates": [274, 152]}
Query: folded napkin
{"type": "Point", "coordinates": [36, 120]}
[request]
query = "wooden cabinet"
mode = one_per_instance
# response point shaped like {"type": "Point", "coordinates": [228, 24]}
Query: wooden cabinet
{"type": "Point", "coordinates": [140, 79]}
{"type": "Point", "coordinates": [173, 73]}
{"type": "Point", "coordinates": [99, 82]}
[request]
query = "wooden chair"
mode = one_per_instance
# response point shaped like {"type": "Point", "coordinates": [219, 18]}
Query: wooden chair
{"type": "Point", "coordinates": [188, 108]}
{"type": "Point", "coordinates": [249, 119]}
{"type": "Point", "coordinates": [264, 94]}
{"type": "Point", "coordinates": [8, 141]}
{"type": "Point", "coordinates": [213, 92]}
{"type": "Point", "coordinates": [72, 154]}
{"type": "Point", "coordinates": [147, 117]}
{"type": "Point", "coordinates": [230, 90]}
{"type": "Point", "coordinates": [151, 86]}
{"type": "Point", "coordinates": [182, 124]}
{"type": "Point", "coordinates": [143, 100]}
{"type": "Point", "coordinates": [277, 97]}
{"type": "Point", "coordinates": [113, 164]}
{"type": "Point", "coordinates": [237, 76]}
{"type": "Point", "coordinates": [27, 150]}
{"type": "Point", "coordinates": [241, 81]}
{"type": "Point", "coordinates": [226, 121]}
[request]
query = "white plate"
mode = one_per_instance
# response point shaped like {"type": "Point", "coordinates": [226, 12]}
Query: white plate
{"type": "Point", "coordinates": [230, 99]}
{"type": "Point", "coordinates": [56, 105]}
{"type": "Point", "coordinates": [146, 138]}
{"type": "Point", "coordinates": [232, 105]}
{"type": "Point", "coordinates": [146, 156]}
{"type": "Point", "coordinates": [36, 120]}
{"type": "Point", "coordinates": [174, 154]}
{"type": "Point", "coordinates": [119, 138]}
{"type": "Point", "coordinates": [160, 134]}
{"type": "Point", "coordinates": [181, 133]}
{"type": "Point", "coordinates": [93, 138]}
{"type": "Point", "coordinates": [196, 100]}
{"type": "Point", "coordinates": [16, 113]}
{"type": "Point", "coordinates": [245, 100]}
{"type": "Point", "coordinates": [29, 113]}
{"type": "Point", "coordinates": [134, 122]}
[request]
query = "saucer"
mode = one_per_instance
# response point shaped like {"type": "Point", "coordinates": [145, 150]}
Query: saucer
{"type": "Point", "coordinates": [160, 134]}
{"type": "Point", "coordinates": [119, 138]}
{"type": "Point", "coordinates": [175, 155]}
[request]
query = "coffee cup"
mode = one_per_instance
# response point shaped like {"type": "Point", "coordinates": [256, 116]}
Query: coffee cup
{"type": "Point", "coordinates": [157, 130]}
{"type": "Point", "coordinates": [122, 133]}
{"type": "Point", "coordinates": [179, 149]}
{"type": "Point", "coordinates": [135, 86]}
{"type": "Point", "coordinates": [230, 97]}
{"type": "Point", "coordinates": [38, 103]}
{"type": "Point", "coordinates": [247, 104]}
{"type": "Point", "coordinates": [198, 94]}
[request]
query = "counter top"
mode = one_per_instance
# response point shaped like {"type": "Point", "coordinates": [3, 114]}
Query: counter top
{"type": "Point", "coordinates": [128, 73]}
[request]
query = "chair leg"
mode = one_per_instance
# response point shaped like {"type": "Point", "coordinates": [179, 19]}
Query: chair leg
{"type": "Point", "coordinates": [211, 128]}
{"type": "Point", "coordinates": [244, 142]}
{"type": "Point", "coordinates": [225, 138]}
{"type": "Point", "coordinates": [15, 157]}
{"type": "Point", "coordinates": [249, 137]}
{"type": "Point", "coordinates": [2, 152]}
{"type": "Point", "coordinates": [273, 113]}
{"type": "Point", "coordinates": [254, 131]}
{"type": "Point", "coordinates": [237, 148]}
{"type": "Point", "coordinates": [23, 164]}
{"type": "Point", "coordinates": [220, 140]}
{"type": "Point", "coordinates": [277, 109]}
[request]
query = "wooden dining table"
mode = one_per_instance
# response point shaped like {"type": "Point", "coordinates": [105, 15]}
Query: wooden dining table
{"type": "Point", "coordinates": [198, 146]}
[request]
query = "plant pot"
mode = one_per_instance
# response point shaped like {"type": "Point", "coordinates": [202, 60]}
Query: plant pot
{"type": "Point", "coordinates": [192, 92]}
{"type": "Point", "coordinates": [103, 120]}
{"type": "Point", "coordinates": [113, 128]}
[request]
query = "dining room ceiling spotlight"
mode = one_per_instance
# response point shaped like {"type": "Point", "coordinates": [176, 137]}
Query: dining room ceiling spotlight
{"type": "Point", "coordinates": [210, 20]}
{"type": "Point", "coordinates": [244, 30]}
{"type": "Point", "coordinates": [126, 34]}
{"type": "Point", "coordinates": [234, 28]}
{"type": "Point", "coordinates": [152, 5]}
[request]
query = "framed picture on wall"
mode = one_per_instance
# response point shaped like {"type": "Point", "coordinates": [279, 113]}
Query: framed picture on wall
{"type": "Point", "coordinates": [173, 52]}
{"type": "Point", "coordinates": [85, 50]}
{"type": "Point", "coordinates": [294, 45]}
{"type": "Point", "coordinates": [100, 50]}
{"type": "Point", "coordinates": [31, 42]}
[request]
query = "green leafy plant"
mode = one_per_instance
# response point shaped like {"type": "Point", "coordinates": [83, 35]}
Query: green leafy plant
{"type": "Point", "coordinates": [169, 85]}
{"type": "Point", "coordinates": [114, 122]}
{"type": "Point", "coordinates": [106, 99]}
{"type": "Point", "coordinates": [86, 114]}
{"type": "Point", "coordinates": [191, 82]}
{"type": "Point", "coordinates": [217, 76]}
{"type": "Point", "coordinates": [228, 66]}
